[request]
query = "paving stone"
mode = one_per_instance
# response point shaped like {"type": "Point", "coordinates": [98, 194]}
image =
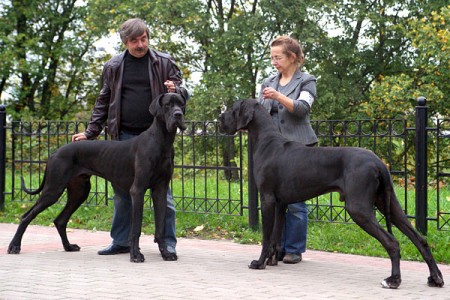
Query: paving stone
{"type": "Point", "coordinates": [206, 269]}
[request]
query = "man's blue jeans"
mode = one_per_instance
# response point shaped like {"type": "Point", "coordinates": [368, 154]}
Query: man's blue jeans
{"type": "Point", "coordinates": [121, 223]}
{"type": "Point", "coordinates": [294, 239]}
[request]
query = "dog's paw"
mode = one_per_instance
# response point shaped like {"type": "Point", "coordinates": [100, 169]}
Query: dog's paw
{"type": "Point", "coordinates": [272, 261]}
{"type": "Point", "coordinates": [435, 281]}
{"type": "Point", "coordinates": [72, 248]}
{"type": "Point", "coordinates": [256, 265]}
{"type": "Point", "coordinates": [137, 258]}
{"type": "Point", "coordinates": [168, 256]}
{"type": "Point", "coordinates": [392, 282]}
{"type": "Point", "coordinates": [13, 249]}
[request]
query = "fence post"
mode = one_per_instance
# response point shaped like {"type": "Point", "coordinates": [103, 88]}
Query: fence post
{"type": "Point", "coordinates": [253, 213]}
{"type": "Point", "coordinates": [2, 156]}
{"type": "Point", "coordinates": [421, 165]}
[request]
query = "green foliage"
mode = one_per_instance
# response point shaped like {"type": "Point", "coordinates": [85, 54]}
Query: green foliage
{"type": "Point", "coordinates": [52, 67]}
{"type": "Point", "coordinates": [396, 95]}
{"type": "Point", "coordinates": [358, 43]}
{"type": "Point", "coordinates": [389, 51]}
{"type": "Point", "coordinates": [431, 40]}
{"type": "Point", "coordinates": [387, 98]}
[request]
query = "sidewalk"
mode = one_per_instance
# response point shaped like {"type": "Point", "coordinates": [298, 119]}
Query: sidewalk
{"type": "Point", "coordinates": [205, 270]}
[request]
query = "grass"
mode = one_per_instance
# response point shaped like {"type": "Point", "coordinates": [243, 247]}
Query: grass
{"type": "Point", "coordinates": [326, 236]}
{"type": "Point", "coordinates": [332, 237]}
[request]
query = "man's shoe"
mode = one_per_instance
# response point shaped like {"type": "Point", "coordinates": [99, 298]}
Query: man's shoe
{"type": "Point", "coordinates": [114, 249]}
{"type": "Point", "coordinates": [291, 258]}
{"type": "Point", "coordinates": [170, 254]}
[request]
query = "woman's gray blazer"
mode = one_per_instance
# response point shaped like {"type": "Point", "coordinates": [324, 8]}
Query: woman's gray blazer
{"type": "Point", "coordinates": [296, 125]}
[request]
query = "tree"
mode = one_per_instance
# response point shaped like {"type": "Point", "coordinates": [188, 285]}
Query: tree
{"type": "Point", "coordinates": [427, 75]}
{"type": "Point", "coordinates": [358, 41]}
{"type": "Point", "coordinates": [349, 45]}
{"type": "Point", "coordinates": [52, 69]}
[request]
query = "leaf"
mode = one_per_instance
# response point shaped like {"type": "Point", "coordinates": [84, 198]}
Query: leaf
{"type": "Point", "coordinates": [199, 228]}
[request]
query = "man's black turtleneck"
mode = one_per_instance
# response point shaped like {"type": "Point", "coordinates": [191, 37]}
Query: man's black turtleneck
{"type": "Point", "coordinates": [136, 94]}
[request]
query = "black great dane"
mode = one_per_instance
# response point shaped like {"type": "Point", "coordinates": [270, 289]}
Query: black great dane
{"type": "Point", "coordinates": [287, 172]}
{"type": "Point", "coordinates": [138, 164]}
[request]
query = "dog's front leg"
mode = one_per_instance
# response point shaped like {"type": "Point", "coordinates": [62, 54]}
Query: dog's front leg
{"type": "Point", "coordinates": [159, 196]}
{"type": "Point", "coordinates": [137, 197]}
{"type": "Point", "coordinates": [268, 217]}
{"type": "Point", "coordinates": [275, 243]}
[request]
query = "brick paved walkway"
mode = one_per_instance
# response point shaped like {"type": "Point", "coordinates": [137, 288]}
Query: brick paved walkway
{"type": "Point", "coordinates": [205, 270]}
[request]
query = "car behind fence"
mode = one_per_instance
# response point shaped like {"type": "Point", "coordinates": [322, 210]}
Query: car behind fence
{"type": "Point", "coordinates": [212, 173]}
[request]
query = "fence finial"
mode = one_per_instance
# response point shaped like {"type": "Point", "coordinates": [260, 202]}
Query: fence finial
{"type": "Point", "coordinates": [421, 101]}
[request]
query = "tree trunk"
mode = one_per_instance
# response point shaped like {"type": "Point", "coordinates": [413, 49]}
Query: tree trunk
{"type": "Point", "coordinates": [229, 153]}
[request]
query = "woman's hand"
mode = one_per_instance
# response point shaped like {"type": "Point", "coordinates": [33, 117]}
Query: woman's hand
{"type": "Point", "coordinates": [270, 93]}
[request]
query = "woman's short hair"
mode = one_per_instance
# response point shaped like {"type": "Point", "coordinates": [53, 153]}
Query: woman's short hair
{"type": "Point", "coordinates": [133, 28]}
{"type": "Point", "coordinates": [290, 46]}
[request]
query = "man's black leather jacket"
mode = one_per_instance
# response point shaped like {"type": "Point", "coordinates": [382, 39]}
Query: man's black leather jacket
{"type": "Point", "coordinates": [106, 110]}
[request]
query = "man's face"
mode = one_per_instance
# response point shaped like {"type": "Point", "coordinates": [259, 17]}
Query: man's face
{"type": "Point", "coordinates": [138, 46]}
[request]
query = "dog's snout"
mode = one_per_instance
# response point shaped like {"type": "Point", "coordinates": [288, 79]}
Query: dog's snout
{"type": "Point", "coordinates": [178, 113]}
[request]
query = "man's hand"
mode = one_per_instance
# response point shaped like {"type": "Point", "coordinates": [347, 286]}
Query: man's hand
{"type": "Point", "coordinates": [79, 137]}
{"type": "Point", "coordinates": [170, 86]}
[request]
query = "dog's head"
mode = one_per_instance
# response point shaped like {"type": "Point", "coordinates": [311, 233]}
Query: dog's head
{"type": "Point", "coordinates": [239, 116]}
{"type": "Point", "coordinates": [169, 108]}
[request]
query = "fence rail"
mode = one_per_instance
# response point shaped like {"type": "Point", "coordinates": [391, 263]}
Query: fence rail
{"type": "Point", "coordinates": [213, 170]}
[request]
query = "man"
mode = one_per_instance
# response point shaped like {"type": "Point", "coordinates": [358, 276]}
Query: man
{"type": "Point", "coordinates": [130, 81]}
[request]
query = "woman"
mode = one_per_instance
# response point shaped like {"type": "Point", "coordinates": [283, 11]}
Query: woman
{"type": "Point", "coordinates": [289, 96]}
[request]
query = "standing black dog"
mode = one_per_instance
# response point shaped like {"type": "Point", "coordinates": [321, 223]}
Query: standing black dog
{"type": "Point", "coordinates": [288, 172]}
{"type": "Point", "coordinates": [138, 164]}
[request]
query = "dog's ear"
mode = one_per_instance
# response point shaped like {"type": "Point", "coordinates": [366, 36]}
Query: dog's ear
{"type": "Point", "coordinates": [245, 114]}
{"type": "Point", "coordinates": [155, 106]}
{"type": "Point", "coordinates": [185, 101]}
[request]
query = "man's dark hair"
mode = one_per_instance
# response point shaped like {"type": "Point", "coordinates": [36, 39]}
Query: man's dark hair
{"type": "Point", "coordinates": [133, 28]}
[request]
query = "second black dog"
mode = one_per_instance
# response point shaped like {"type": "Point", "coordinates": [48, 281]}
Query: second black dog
{"type": "Point", "coordinates": [287, 172]}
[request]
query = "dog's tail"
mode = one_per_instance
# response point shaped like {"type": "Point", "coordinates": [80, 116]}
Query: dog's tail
{"type": "Point", "coordinates": [388, 191]}
{"type": "Point", "coordinates": [34, 192]}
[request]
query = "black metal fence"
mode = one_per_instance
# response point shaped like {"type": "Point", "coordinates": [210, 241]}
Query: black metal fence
{"type": "Point", "coordinates": [212, 169]}
{"type": "Point", "coordinates": [417, 157]}
{"type": "Point", "coordinates": [442, 173]}
{"type": "Point", "coordinates": [199, 183]}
